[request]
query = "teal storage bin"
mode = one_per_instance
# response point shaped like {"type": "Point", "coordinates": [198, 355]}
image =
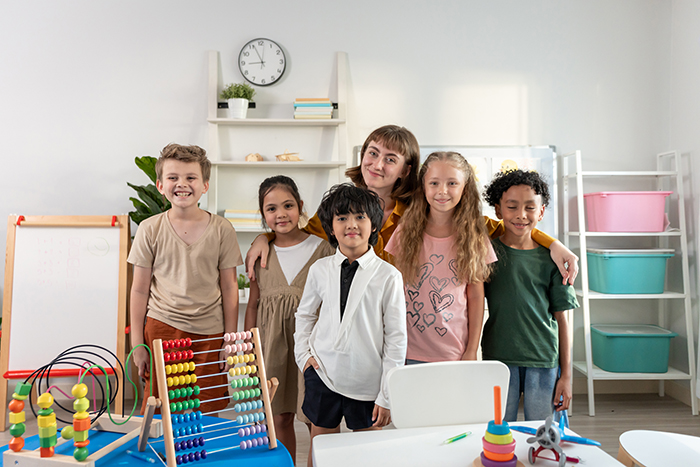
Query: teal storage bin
{"type": "Point", "coordinates": [631, 348]}
{"type": "Point", "coordinates": [616, 271]}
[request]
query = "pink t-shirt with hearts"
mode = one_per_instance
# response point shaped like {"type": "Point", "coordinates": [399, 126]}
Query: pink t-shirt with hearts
{"type": "Point", "coordinates": [436, 305]}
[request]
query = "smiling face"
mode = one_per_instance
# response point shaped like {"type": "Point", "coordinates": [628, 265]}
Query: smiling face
{"type": "Point", "coordinates": [521, 209]}
{"type": "Point", "coordinates": [381, 167]}
{"type": "Point", "coordinates": [443, 184]}
{"type": "Point", "coordinates": [352, 231]}
{"type": "Point", "coordinates": [281, 210]}
{"type": "Point", "coordinates": [182, 183]}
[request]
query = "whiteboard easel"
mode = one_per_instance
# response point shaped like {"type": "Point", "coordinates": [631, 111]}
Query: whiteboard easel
{"type": "Point", "coordinates": [65, 285]}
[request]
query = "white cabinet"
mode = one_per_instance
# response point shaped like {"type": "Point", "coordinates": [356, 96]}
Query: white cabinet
{"type": "Point", "coordinates": [673, 305]}
{"type": "Point", "coordinates": [322, 144]}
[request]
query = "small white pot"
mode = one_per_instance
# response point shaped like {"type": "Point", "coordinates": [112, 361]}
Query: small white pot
{"type": "Point", "coordinates": [241, 294]}
{"type": "Point", "coordinates": [237, 108]}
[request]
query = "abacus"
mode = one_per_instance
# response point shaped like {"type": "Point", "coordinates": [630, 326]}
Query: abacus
{"type": "Point", "coordinates": [183, 437]}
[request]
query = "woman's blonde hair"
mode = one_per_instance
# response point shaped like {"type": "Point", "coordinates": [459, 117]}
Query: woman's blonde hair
{"type": "Point", "coordinates": [469, 228]}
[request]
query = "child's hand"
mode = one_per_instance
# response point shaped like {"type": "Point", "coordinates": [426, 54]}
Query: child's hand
{"type": "Point", "coordinates": [566, 261]}
{"type": "Point", "coordinates": [469, 355]}
{"type": "Point", "coordinates": [141, 360]}
{"type": "Point", "coordinates": [562, 394]}
{"type": "Point", "coordinates": [258, 249]}
{"type": "Point", "coordinates": [223, 366]}
{"type": "Point", "coordinates": [381, 416]}
{"type": "Point", "coordinates": [311, 362]}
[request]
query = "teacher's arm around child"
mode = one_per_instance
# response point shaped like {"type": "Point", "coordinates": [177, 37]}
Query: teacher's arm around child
{"type": "Point", "coordinates": [351, 321]}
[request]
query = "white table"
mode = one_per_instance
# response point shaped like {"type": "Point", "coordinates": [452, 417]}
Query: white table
{"type": "Point", "coordinates": [423, 447]}
{"type": "Point", "coordinates": [658, 448]}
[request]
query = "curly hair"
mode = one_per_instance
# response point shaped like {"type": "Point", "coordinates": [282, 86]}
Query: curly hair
{"type": "Point", "coordinates": [182, 153]}
{"type": "Point", "coordinates": [471, 239]}
{"type": "Point", "coordinates": [502, 182]}
{"type": "Point", "coordinates": [346, 198]}
{"type": "Point", "coordinates": [398, 139]}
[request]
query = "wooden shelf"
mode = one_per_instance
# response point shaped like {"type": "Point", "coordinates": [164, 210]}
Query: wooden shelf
{"type": "Point", "coordinates": [669, 233]}
{"type": "Point", "coordinates": [640, 173]}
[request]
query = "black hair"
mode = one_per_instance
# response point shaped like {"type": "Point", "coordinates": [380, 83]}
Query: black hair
{"type": "Point", "coordinates": [346, 198]}
{"type": "Point", "coordinates": [270, 184]}
{"type": "Point", "coordinates": [503, 181]}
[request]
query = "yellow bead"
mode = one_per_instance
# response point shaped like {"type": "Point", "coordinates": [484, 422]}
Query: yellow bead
{"type": "Point", "coordinates": [232, 372]}
{"type": "Point", "coordinates": [193, 378]}
{"type": "Point", "coordinates": [168, 370]}
{"type": "Point", "coordinates": [18, 397]}
{"type": "Point", "coordinates": [81, 405]}
{"type": "Point", "coordinates": [252, 357]}
{"type": "Point", "coordinates": [45, 400]}
{"type": "Point", "coordinates": [169, 381]}
{"type": "Point", "coordinates": [182, 379]}
{"type": "Point", "coordinates": [180, 367]}
{"type": "Point", "coordinates": [67, 432]}
{"type": "Point", "coordinates": [79, 390]}
{"type": "Point", "coordinates": [254, 369]}
{"type": "Point", "coordinates": [46, 420]}
{"type": "Point", "coordinates": [188, 380]}
{"type": "Point", "coordinates": [80, 415]}
{"type": "Point", "coordinates": [192, 366]}
{"type": "Point", "coordinates": [16, 418]}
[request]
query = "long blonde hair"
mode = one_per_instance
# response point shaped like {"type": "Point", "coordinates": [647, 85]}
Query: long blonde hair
{"type": "Point", "coordinates": [470, 231]}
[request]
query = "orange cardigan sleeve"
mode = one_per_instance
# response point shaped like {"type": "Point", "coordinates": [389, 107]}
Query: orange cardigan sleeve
{"type": "Point", "coordinates": [495, 229]}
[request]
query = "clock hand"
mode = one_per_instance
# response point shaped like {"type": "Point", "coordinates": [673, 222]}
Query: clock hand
{"type": "Point", "coordinates": [258, 53]}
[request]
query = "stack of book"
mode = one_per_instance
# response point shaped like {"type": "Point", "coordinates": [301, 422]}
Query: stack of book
{"type": "Point", "coordinates": [244, 219]}
{"type": "Point", "coordinates": [313, 108]}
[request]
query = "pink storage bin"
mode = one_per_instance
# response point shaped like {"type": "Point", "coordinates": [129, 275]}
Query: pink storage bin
{"type": "Point", "coordinates": [626, 211]}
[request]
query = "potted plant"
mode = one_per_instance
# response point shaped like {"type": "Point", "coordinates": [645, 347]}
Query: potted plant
{"type": "Point", "coordinates": [238, 96]}
{"type": "Point", "coordinates": [151, 202]}
{"type": "Point", "coordinates": [243, 287]}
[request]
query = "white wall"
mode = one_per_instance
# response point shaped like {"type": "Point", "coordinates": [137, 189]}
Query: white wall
{"type": "Point", "coordinates": [685, 119]}
{"type": "Point", "coordinates": [85, 86]}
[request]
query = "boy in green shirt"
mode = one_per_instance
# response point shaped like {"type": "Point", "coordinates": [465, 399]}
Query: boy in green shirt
{"type": "Point", "coordinates": [527, 328]}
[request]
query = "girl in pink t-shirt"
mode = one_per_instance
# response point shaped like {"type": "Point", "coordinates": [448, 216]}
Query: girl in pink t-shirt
{"type": "Point", "coordinates": [443, 251]}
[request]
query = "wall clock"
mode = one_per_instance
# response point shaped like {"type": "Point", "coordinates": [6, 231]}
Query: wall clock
{"type": "Point", "coordinates": [262, 62]}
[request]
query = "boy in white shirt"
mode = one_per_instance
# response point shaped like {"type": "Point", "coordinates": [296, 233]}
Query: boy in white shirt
{"type": "Point", "coordinates": [346, 347]}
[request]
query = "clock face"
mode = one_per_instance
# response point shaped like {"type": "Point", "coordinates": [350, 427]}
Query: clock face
{"type": "Point", "coordinates": [262, 62]}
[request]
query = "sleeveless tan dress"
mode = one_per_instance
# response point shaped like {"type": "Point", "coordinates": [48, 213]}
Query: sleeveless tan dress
{"type": "Point", "coordinates": [276, 309]}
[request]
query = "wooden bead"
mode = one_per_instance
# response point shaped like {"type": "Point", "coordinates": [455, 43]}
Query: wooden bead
{"type": "Point", "coordinates": [16, 406]}
{"type": "Point", "coordinates": [79, 391]}
{"type": "Point", "coordinates": [16, 444]}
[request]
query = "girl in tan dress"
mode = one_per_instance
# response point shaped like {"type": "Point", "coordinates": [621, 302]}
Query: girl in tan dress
{"type": "Point", "coordinates": [275, 295]}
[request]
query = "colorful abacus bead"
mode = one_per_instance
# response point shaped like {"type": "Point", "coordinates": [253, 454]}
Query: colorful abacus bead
{"type": "Point", "coordinates": [81, 422]}
{"type": "Point", "coordinates": [46, 420]}
{"type": "Point", "coordinates": [17, 416]}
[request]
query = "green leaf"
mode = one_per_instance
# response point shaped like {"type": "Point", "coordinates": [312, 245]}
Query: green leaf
{"type": "Point", "coordinates": [148, 165]}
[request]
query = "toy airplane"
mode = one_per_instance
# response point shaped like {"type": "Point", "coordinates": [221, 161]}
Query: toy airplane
{"type": "Point", "coordinates": [549, 436]}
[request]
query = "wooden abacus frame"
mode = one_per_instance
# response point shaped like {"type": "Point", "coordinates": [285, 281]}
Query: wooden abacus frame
{"type": "Point", "coordinates": [267, 389]}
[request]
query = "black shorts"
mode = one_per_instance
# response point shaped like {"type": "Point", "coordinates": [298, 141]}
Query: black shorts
{"type": "Point", "coordinates": [326, 408]}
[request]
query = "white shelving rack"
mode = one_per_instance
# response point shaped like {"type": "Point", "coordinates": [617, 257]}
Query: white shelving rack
{"type": "Point", "coordinates": [663, 177]}
{"type": "Point", "coordinates": [229, 168]}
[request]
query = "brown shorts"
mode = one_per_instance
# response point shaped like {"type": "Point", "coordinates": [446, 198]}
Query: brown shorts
{"type": "Point", "coordinates": [155, 329]}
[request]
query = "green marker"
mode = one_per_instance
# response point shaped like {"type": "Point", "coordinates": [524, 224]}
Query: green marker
{"type": "Point", "coordinates": [457, 438]}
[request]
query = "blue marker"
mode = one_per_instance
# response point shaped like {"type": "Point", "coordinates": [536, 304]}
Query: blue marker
{"type": "Point", "coordinates": [138, 455]}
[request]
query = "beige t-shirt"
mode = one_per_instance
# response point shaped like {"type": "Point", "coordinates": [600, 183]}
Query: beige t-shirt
{"type": "Point", "coordinates": [185, 290]}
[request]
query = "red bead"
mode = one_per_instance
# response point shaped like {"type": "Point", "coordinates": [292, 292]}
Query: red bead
{"type": "Point", "coordinates": [190, 354]}
{"type": "Point", "coordinates": [188, 341]}
{"type": "Point", "coordinates": [166, 345]}
{"type": "Point", "coordinates": [183, 342]}
{"type": "Point", "coordinates": [16, 444]}
{"type": "Point", "coordinates": [16, 406]}
{"type": "Point", "coordinates": [166, 357]}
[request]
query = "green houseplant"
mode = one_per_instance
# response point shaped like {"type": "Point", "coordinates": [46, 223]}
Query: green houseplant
{"type": "Point", "coordinates": [238, 95]}
{"type": "Point", "coordinates": [151, 202]}
{"type": "Point", "coordinates": [243, 287]}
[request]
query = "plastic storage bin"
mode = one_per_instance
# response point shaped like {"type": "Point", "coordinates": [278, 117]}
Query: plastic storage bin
{"type": "Point", "coordinates": [626, 211]}
{"type": "Point", "coordinates": [616, 271]}
{"type": "Point", "coordinates": [631, 348]}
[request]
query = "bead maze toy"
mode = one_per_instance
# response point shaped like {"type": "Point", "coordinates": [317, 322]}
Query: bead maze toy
{"type": "Point", "coordinates": [82, 420]}
{"type": "Point", "coordinates": [549, 437]}
{"type": "Point", "coordinates": [498, 442]}
{"type": "Point", "coordinates": [181, 437]}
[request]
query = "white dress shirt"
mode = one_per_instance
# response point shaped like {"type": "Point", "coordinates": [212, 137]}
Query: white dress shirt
{"type": "Point", "coordinates": [354, 355]}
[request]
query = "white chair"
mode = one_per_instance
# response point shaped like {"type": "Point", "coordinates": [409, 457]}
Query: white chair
{"type": "Point", "coordinates": [446, 393]}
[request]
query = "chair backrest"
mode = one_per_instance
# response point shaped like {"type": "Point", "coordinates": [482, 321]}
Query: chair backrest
{"type": "Point", "coordinates": [446, 393]}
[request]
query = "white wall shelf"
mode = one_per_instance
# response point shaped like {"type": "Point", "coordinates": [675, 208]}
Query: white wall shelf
{"type": "Point", "coordinates": [280, 164]}
{"type": "Point", "coordinates": [573, 183]}
{"type": "Point", "coordinates": [276, 121]}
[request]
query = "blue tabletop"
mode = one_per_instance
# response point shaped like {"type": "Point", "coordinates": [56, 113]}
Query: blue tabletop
{"type": "Point", "coordinates": [260, 456]}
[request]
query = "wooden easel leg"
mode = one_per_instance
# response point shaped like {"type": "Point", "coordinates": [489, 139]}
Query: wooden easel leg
{"type": "Point", "coordinates": [151, 405]}
{"type": "Point", "coordinates": [3, 404]}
